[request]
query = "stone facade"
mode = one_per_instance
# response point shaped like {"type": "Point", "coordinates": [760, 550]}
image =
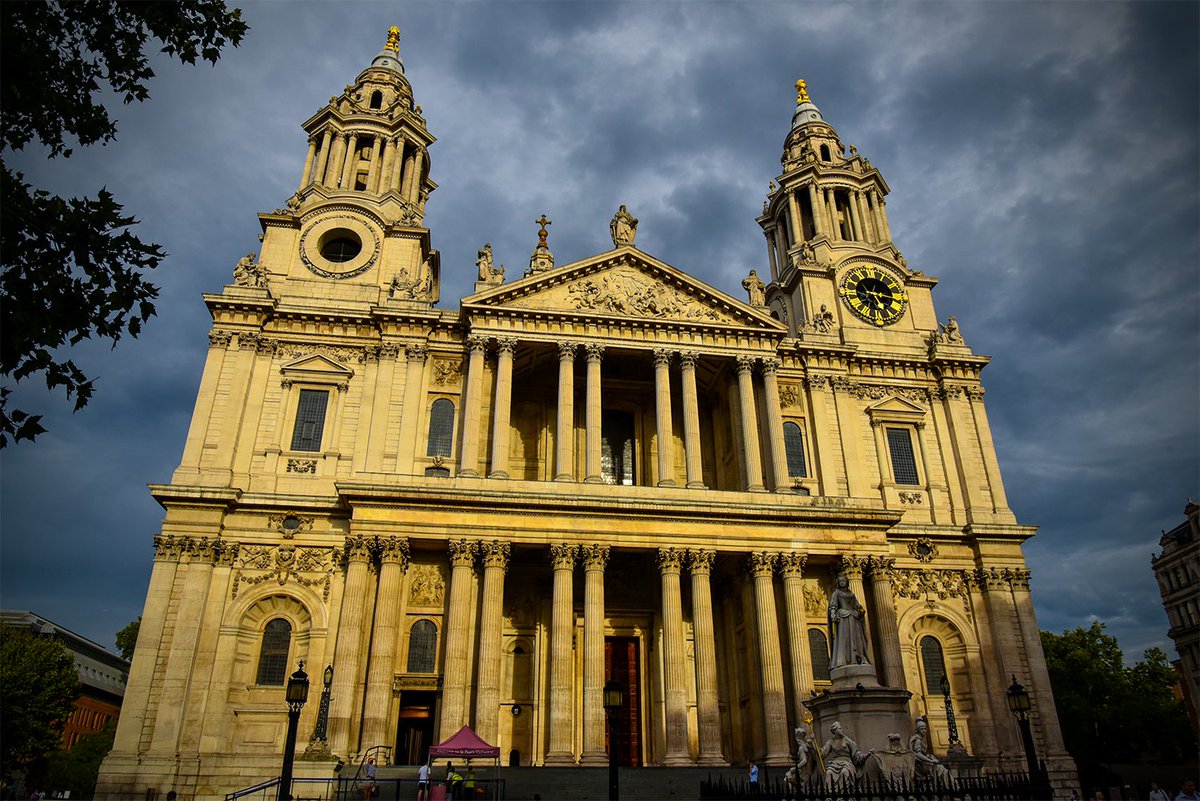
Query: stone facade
{"type": "Point", "coordinates": [1177, 569]}
{"type": "Point", "coordinates": [598, 470]}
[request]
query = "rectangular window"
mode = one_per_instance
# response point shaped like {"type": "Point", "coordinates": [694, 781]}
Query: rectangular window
{"type": "Point", "coordinates": [310, 419]}
{"type": "Point", "coordinates": [904, 465]}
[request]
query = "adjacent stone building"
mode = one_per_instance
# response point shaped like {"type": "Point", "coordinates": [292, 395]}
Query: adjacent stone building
{"type": "Point", "coordinates": [1177, 569]}
{"type": "Point", "coordinates": [603, 470]}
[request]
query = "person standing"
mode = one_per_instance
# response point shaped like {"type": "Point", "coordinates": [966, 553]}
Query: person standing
{"type": "Point", "coordinates": [753, 777]}
{"type": "Point", "coordinates": [423, 782]}
{"type": "Point", "coordinates": [1157, 793]}
{"type": "Point", "coordinates": [1187, 790]}
{"type": "Point", "coordinates": [368, 785]}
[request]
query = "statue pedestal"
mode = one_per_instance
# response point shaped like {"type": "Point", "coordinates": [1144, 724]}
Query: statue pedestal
{"type": "Point", "coordinates": [868, 715]}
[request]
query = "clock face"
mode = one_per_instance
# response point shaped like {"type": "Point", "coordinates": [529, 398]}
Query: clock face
{"type": "Point", "coordinates": [873, 294]}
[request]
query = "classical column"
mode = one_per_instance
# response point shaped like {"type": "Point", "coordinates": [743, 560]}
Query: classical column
{"type": "Point", "coordinates": [592, 466]}
{"type": "Point", "coordinates": [374, 170]}
{"type": "Point", "coordinates": [762, 565]}
{"type": "Point", "coordinates": [468, 461]}
{"type": "Point", "coordinates": [881, 210]}
{"type": "Point", "coordinates": [779, 466]}
{"type": "Point", "coordinates": [306, 176]}
{"type": "Point", "coordinates": [197, 567]}
{"type": "Point", "coordinates": [318, 176]}
{"type": "Point", "coordinates": [691, 421]}
{"type": "Point", "coordinates": [983, 432]}
{"type": "Point", "coordinates": [141, 672]}
{"type": "Point", "coordinates": [670, 563]}
{"type": "Point", "coordinates": [389, 611]}
{"type": "Point", "coordinates": [864, 216]}
{"type": "Point", "coordinates": [418, 167]}
{"type": "Point", "coordinates": [487, 698]}
{"type": "Point", "coordinates": [333, 162]}
{"type": "Point", "coordinates": [406, 177]}
{"type": "Point", "coordinates": [852, 568]}
{"type": "Point", "coordinates": [791, 565]}
{"type": "Point", "coordinates": [348, 649]}
{"type": "Point", "coordinates": [502, 407]}
{"type": "Point", "coordinates": [595, 557]}
{"type": "Point", "coordinates": [1006, 648]}
{"type": "Point", "coordinates": [794, 212]}
{"type": "Point", "coordinates": [562, 665]}
{"type": "Point", "coordinates": [770, 235]}
{"type": "Point", "coordinates": [350, 160]}
{"type": "Point", "coordinates": [662, 414]}
{"type": "Point", "coordinates": [413, 410]}
{"type": "Point", "coordinates": [818, 215]}
{"type": "Point", "coordinates": [855, 223]}
{"type": "Point", "coordinates": [754, 478]}
{"type": "Point", "coordinates": [397, 163]}
{"type": "Point", "coordinates": [708, 712]}
{"type": "Point", "coordinates": [986, 672]}
{"type": "Point", "coordinates": [825, 454]}
{"type": "Point", "coordinates": [831, 204]}
{"type": "Point", "coordinates": [457, 638]}
{"type": "Point", "coordinates": [883, 615]}
{"type": "Point", "coordinates": [1039, 676]}
{"type": "Point", "coordinates": [565, 437]}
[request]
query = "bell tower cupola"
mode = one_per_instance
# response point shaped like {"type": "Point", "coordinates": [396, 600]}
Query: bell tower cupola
{"type": "Point", "coordinates": [825, 206]}
{"type": "Point", "coordinates": [371, 142]}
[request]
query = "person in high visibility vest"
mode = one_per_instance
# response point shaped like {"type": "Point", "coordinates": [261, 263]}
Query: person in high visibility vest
{"type": "Point", "coordinates": [453, 782]}
{"type": "Point", "coordinates": [469, 784]}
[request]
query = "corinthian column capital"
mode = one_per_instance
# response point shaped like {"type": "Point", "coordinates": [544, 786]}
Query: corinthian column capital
{"type": "Point", "coordinates": [562, 555]}
{"type": "Point", "coordinates": [670, 560]}
{"type": "Point", "coordinates": [701, 562]}
{"type": "Point", "coordinates": [594, 557]}
{"type": "Point", "coordinates": [762, 563]}
{"type": "Point", "coordinates": [462, 553]}
{"type": "Point", "coordinates": [792, 563]}
{"type": "Point", "coordinates": [495, 554]}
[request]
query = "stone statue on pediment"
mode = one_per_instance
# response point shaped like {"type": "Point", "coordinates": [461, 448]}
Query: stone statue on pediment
{"type": "Point", "coordinates": [823, 320]}
{"type": "Point", "coordinates": [409, 288]}
{"type": "Point", "coordinates": [249, 273]}
{"type": "Point", "coordinates": [847, 623]}
{"type": "Point", "coordinates": [623, 227]}
{"type": "Point", "coordinates": [488, 273]}
{"type": "Point", "coordinates": [756, 289]}
{"type": "Point", "coordinates": [927, 766]}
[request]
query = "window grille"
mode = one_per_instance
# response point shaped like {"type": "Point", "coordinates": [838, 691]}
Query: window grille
{"type": "Point", "coordinates": [793, 445]}
{"type": "Point", "coordinates": [904, 464]}
{"type": "Point", "coordinates": [422, 647]}
{"type": "Point", "coordinates": [933, 664]}
{"type": "Point", "coordinates": [273, 655]}
{"type": "Point", "coordinates": [441, 428]}
{"type": "Point", "coordinates": [818, 649]}
{"type": "Point", "coordinates": [310, 419]}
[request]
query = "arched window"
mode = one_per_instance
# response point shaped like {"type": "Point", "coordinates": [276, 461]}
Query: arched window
{"type": "Point", "coordinates": [616, 448]}
{"type": "Point", "coordinates": [818, 649]}
{"type": "Point", "coordinates": [377, 99]}
{"type": "Point", "coordinates": [441, 428]}
{"type": "Point", "coordinates": [932, 663]}
{"type": "Point", "coordinates": [273, 655]}
{"type": "Point", "coordinates": [793, 445]}
{"type": "Point", "coordinates": [422, 647]}
{"type": "Point", "coordinates": [824, 152]}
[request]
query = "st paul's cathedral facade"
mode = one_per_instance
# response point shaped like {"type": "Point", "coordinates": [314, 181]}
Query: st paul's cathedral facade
{"type": "Point", "coordinates": [598, 471]}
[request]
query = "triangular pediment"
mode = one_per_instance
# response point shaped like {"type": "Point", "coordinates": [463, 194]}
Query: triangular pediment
{"type": "Point", "coordinates": [624, 283]}
{"type": "Point", "coordinates": [895, 408]}
{"type": "Point", "coordinates": [316, 364]}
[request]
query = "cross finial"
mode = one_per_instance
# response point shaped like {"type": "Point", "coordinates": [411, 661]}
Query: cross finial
{"type": "Point", "coordinates": [802, 92]}
{"type": "Point", "coordinates": [542, 221]}
{"type": "Point", "coordinates": [393, 40]}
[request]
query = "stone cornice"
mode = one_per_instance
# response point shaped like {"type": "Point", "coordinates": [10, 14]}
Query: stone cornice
{"type": "Point", "coordinates": [189, 495]}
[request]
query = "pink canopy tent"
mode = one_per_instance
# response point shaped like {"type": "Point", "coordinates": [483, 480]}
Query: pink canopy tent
{"type": "Point", "coordinates": [465, 744]}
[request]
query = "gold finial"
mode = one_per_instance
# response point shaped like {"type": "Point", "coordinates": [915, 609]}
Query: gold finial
{"type": "Point", "coordinates": [802, 92]}
{"type": "Point", "coordinates": [393, 42]}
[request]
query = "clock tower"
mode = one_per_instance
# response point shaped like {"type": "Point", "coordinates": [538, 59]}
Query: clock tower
{"type": "Point", "coordinates": [837, 275]}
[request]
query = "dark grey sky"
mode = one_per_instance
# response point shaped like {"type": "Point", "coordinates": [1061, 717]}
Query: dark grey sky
{"type": "Point", "coordinates": [1043, 162]}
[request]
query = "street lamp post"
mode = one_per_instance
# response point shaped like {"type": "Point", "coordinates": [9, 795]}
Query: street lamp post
{"type": "Point", "coordinates": [951, 723]}
{"type": "Point", "coordinates": [321, 730]}
{"type": "Point", "coordinates": [612, 706]}
{"type": "Point", "coordinates": [297, 695]}
{"type": "Point", "coordinates": [1020, 705]}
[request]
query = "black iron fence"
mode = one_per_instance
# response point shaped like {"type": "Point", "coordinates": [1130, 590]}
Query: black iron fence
{"type": "Point", "coordinates": [993, 787]}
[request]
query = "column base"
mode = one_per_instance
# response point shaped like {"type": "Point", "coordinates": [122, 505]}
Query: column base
{"type": "Point", "coordinates": [697, 485]}
{"type": "Point", "coordinates": [498, 474]}
{"type": "Point", "coordinates": [597, 759]}
{"type": "Point", "coordinates": [561, 758]}
{"type": "Point", "coordinates": [712, 761]}
{"type": "Point", "coordinates": [667, 482]}
{"type": "Point", "coordinates": [678, 761]}
{"type": "Point", "coordinates": [756, 488]}
{"type": "Point", "coordinates": [468, 473]}
{"type": "Point", "coordinates": [594, 480]}
{"type": "Point", "coordinates": [564, 477]}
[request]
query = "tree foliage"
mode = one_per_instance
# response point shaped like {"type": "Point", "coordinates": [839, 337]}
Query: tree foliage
{"type": "Point", "coordinates": [38, 688]}
{"type": "Point", "coordinates": [72, 269]}
{"type": "Point", "coordinates": [1110, 713]}
{"type": "Point", "coordinates": [127, 638]}
{"type": "Point", "coordinates": [77, 770]}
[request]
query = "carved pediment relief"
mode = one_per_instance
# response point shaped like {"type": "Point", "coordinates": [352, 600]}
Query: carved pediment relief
{"type": "Point", "coordinates": [631, 285]}
{"type": "Point", "coordinates": [895, 409]}
{"type": "Point", "coordinates": [316, 364]}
